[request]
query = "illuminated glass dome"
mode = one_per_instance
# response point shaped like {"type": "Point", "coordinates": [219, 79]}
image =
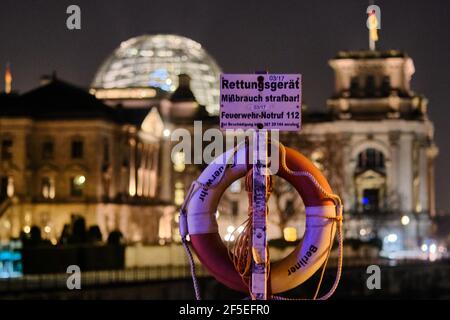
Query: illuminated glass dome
{"type": "Point", "coordinates": [156, 61]}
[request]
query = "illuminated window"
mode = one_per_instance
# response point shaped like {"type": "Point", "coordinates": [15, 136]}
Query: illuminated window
{"type": "Point", "coordinates": [165, 228]}
{"type": "Point", "coordinates": [179, 193]}
{"type": "Point", "coordinates": [77, 185]}
{"type": "Point", "coordinates": [48, 188]}
{"type": "Point", "coordinates": [179, 162]}
{"type": "Point", "coordinates": [290, 234]}
{"type": "Point", "coordinates": [10, 190]}
{"type": "Point", "coordinates": [77, 149]}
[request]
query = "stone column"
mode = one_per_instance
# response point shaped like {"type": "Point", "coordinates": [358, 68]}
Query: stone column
{"type": "Point", "coordinates": [140, 164]}
{"type": "Point", "coordinates": [423, 177]}
{"type": "Point", "coordinates": [392, 173]}
{"type": "Point", "coordinates": [132, 181]}
{"type": "Point", "coordinates": [349, 170]}
{"type": "Point", "coordinates": [165, 172]}
{"type": "Point", "coordinates": [154, 181]}
{"type": "Point", "coordinates": [405, 173]}
{"type": "Point", "coordinates": [147, 168]}
{"type": "Point", "coordinates": [432, 152]}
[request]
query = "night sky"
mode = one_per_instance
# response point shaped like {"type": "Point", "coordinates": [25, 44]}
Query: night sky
{"type": "Point", "coordinates": [243, 36]}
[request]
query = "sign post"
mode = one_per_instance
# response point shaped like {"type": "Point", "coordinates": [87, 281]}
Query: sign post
{"type": "Point", "coordinates": [259, 217]}
{"type": "Point", "coordinates": [262, 102]}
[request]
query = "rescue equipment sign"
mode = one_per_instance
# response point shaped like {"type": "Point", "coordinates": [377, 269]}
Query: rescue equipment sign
{"type": "Point", "coordinates": [260, 101]}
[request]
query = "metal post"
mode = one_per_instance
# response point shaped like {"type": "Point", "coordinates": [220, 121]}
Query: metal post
{"type": "Point", "coordinates": [259, 243]}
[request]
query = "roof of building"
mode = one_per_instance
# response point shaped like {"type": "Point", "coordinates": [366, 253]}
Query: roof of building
{"type": "Point", "coordinates": [183, 94]}
{"type": "Point", "coordinates": [8, 102]}
{"type": "Point", "coordinates": [156, 61]}
{"type": "Point", "coordinates": [55, 100]}
{"type": "Point", "coordinates": [369, 54]}
{"type": "Point", "coordinates": [59, 99]}
{"type": "Point", "coordinates": [310, 116]}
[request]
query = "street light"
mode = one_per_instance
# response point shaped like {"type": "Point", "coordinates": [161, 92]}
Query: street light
{"type": "Point", "coordinates": [405, 220]}
{"type": "Point", "coordinates": [166, 133]}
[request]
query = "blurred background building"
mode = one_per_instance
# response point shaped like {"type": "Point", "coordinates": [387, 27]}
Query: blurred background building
{"type": "Point", "coordinates": [104, 153]}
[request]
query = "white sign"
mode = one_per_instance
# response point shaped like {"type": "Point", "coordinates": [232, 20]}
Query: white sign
{"type": "Point", "coordinates": [260, 101]}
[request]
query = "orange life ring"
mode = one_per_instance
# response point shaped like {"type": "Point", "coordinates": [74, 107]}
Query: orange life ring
{"type": "Point", "coordinates": [198, 219]}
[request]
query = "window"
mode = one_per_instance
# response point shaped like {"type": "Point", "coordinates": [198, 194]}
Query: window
{"type": "Point", "coordinates": [105, 151]}
{"type": "Point", "coordinates": [179, 193]}
{"type": "Point", "coordinates": [317, 158]}
{"type": "Point", "coordinates": [28, 149]}
{"type": "Point", "coordinates": [370, 159]}
{"type": "Point", "coordinates": [235, 208]}
{"type": "Point", "coordinates": [77, 184]}
{"type": "Point", "coordinates": [235, 187]}
{"type": "Point", "coordinates": [6, 187]}
{"type": "Point", "coordinates": [290, 210]}
{"type": "Point", "coordinates": [7, 144]}
{"type": "Point", "coordinates": [179, 161]}
{"type": "Point", "coordinates": [386, 86]}
{"type": "Point", "coordinates": [48, 188]}
{"type": "Point", "coordinates": [370, 86]}
{"type": "Point", "coordinates": [3, 188]}
{"type": "Point", "coordinates": [370, 199]}
{"type": "Point", "coordinates": [77, 149]}
{"type": "Point", "coordinates": [10, 187]}
{"type": "Point", "coordinates": [47, 150]}
{"type": "Point", "coordinates": [354, 86]}
{"type": "Point", "coordinates": [290, 234]}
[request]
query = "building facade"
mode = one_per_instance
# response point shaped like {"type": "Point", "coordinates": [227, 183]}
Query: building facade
{"type": "Point", "coordinates": [377, 148]}
{"type": "Point", "coordinates": [107, 154]}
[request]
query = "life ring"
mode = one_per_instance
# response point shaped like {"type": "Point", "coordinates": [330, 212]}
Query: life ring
{"type": "Point", "coordinates": [199, 221]}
